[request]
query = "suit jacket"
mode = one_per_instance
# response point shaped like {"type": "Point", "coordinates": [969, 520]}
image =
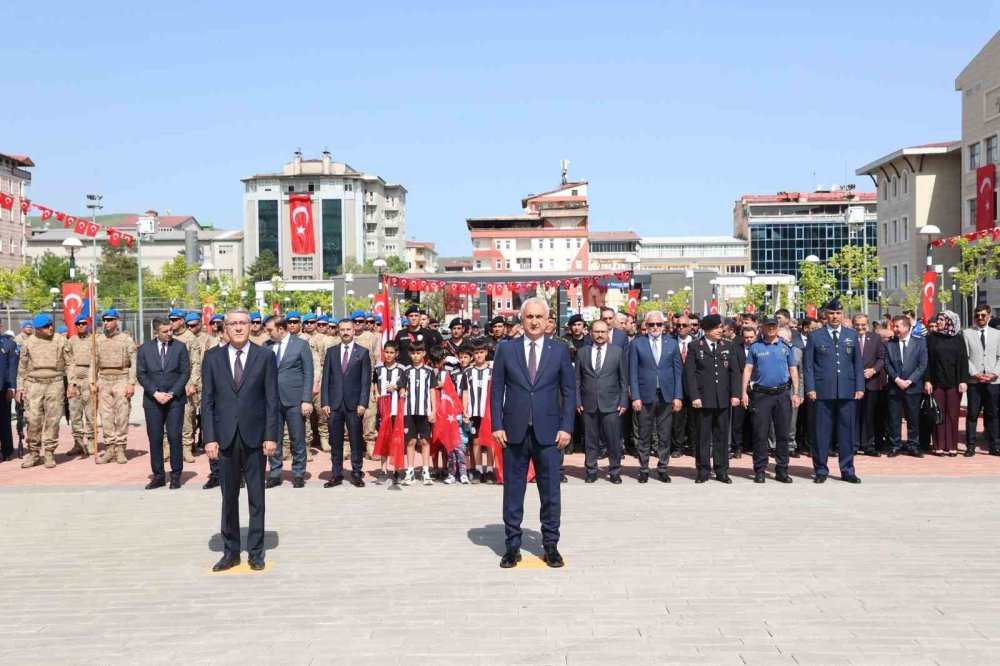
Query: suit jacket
{"type": "Point", "coordinates": [644, 372]}
{"type": "Point", "coordinates": [619, 338]}
{"type": "Point", "coordinates": [834, 372]}
{"type": "Point", "coordinates": [981, 360]}
{"type": "Point", "coordinates": [873, 357]}
{"type": "Point", "coordinates": [8, 365]}
{"type": "Point", "coordinates": [548, 405]}
{"type": "Point", "coordinates": [603, 391]}
{"type": "Point", "coordinates": [172, 378]}
{"type": "Point", "coordinates": [913, 367]}
{"type": "Point", "coordinates": [346, 389]}
{"type": "Point", "coordinates": [295, 372]}
{"type": "Point", "coordinates": [799, 340]}
{"type": "Point", "coordinates": [712, 377]}
{"type": "Point", "coordinates": [249, 410]}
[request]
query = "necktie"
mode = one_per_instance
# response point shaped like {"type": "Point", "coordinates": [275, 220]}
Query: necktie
{"type": "Point", "coordinates": [278, 352]}
{"type": "Point", "coordinates": [238, 369]}
{"type": "Point", "coordinates": [711, 347]}
{"type": "Point", "coordinates": [684, 352]}
{"type": "Point", "coordinates": [902, 353]}
{"type": "Point", "coordinates": [532, 363]}
{"type": "Point", "coordinates": [347, 357]}
{"type": "Point", "coordinates": [163, 356]}
{"type": "Point", "coordinates": [599, 363]}
{"type": "Point", "coordinates": [861, 344]}
{"type": "Point", "coordinates": [656, 350]}
{"type": "Point", "coordinates": [982, 338]}
{"type": "Point", "coordinates": [835, 336]}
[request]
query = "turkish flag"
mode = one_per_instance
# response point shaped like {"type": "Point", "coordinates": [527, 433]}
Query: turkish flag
{"type": "Point", "coordinates": [301, 217]}
{"type": "Point", "coordinates": [207, 313]}
{"type": "Point", "coordinates": [68, 221]}
{"type": "Point", "coordinates": [633, 301]}
{"type": "Point", "coordinates": [73, 304]}
{"type": "Point", "coordinates": [449, 409]}
{"type": "Point", "coordinates": [129, 239]}
{"type": "Point", "coordinates": [713, 307]}
{"type": "Point", "coordinates": [929, 294]}
{"type": "Point", "coordinates": [751, 308]}
{"type": "Point", "coordinates": [80, 227]}
{"type": "Point", "coordinates": [275, 308]}
{"type": "Point", "coordinates": [92, 229]}
{"type": "Point", "coordinates": [6, 201]}
{"type": "Point", "coordinates": [985, 187]}
{"type": "Point", "coordinates": [811, 310]}
{"type": "Point", "coordinates": [389, 441]}
{"type": "Point", "coordinates": [46, 212]}
{"type": "Point", "coordinates": [382, 308]}
{"type": "Point", "coordinates": [25, 206]}
{"type": "Point", "coordinates": [114, 237]}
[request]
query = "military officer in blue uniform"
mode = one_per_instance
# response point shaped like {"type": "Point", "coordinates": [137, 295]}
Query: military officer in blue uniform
{"type": "Point", "coordinates": [713, 382]}
{"type": "Point", "coordinates": [834, 381]}
{"type": "Point", "coordinates": [771, 368]}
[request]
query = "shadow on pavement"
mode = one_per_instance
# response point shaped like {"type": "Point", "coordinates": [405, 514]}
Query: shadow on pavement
{"type": "Point", "coordinates": [492, 537]}
{"type": "Point", "coordinates": [270, 540]}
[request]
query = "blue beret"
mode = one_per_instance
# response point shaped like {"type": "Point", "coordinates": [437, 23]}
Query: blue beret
{"type": "Point", "coordinates": [176, 313]}
{"type": "Point", "coordinates": [42, 320]}
{"type": "Point", "coordinates": [255, 316]}
{"type": "Point", "coordinates": [26, 323]}
{"type": "Point", "coordinates": [80, 318]}
{"type": "Point", "coordinates": [216, 318]}
{"type": "Point", "coordinates": [358, 314]}
{"type": "Point", "coordinates": [110, 314]}
{"type": "Point", "coordinates": [294, 314]}
{"type": "Point", "coordinates": [378, 320]}
{"type": "Point", "coordinates": [309, 316]}
{"type": "Point", "coordinates": [62, 329]}
{"type": "Point", "coordinates": [369, 315]}
{"type": "Point", "coordinates": [191, 316]}
{"type": "Point", "coordinates": [323, 318]}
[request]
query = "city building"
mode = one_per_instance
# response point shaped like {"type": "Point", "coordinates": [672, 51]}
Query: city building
{"type": "Point", "coordinates": [14, 180]}
{"type": "Point", "coordinates": [979, 84]}
{"type": "Point", "coordinates": [724, 254]}
{"type": "Point", "coordinates": [220, 251]}
{"type": "Point", "coordinates": [785, 228]}
{"type": "Point", "coordinates": [420, 257]}
{"type": "Point", "coordinates": [355, 215]}
{"type": "Point", "coordinates": [455, 264]}
{"type": "Point", "coordinates": [613, 250]}
{"type": "Point", "coordinates": [916, 186]}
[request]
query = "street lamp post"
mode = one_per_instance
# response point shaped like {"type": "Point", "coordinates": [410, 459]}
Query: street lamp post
{"type": "Point", "coordinates": [94, 204]}
{"type": "Point", "coordinates": [72, 244]}
{"type": "Point", "coordinates": [954, 303]}
{"type": "Point", "coordinates": [855, 219]}
{"type": "Point", "coordinates": [55, 296]}
{"type": "Point", "coordinates": [929, 231]}
{"type": "Point", "coordinates": [881, 292]}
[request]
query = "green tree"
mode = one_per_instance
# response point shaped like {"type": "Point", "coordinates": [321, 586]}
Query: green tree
{"type": "Point", "coordinates": [980, 261]}
{"type": "Point", "coordinates": [394, 265]}
{"type": "Point", "coordinates": [264, 267]}
{"type": "Point", "coordinates": [813, 283]}
{"type": "Point", "coordinates": [859, 266]}
{"type": "Point", "coordinates": [52, 270]}
{"type": "Point", "coordinates": [911, 294]}
{"type": "Point", "coordinates": [35, 296]}
{"type": "Point", "coordinates": [12, 282]}
{"type": "Point", "coordinates": [118, 273]}
{"type": "Point", "coordinates": [753, 294]}
{"type": "Point", "coordinates": [171, 283]}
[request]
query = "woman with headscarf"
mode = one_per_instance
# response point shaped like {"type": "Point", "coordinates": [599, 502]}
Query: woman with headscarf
{"type": "Point", "coordinates": [947, 379]}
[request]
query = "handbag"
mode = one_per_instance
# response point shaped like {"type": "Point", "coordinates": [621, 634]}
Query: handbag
{"type": "Point", "coordinates": [930, 410]}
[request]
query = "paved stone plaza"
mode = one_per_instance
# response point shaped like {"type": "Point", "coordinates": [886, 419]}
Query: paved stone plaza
{"type": "Point", "coordinates": [899, 570]}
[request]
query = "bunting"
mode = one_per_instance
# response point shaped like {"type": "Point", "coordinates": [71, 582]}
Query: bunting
{"type": "Point", "coordinates": [462, 288]}
{"type": "Point", "coordinates": [79, 225]}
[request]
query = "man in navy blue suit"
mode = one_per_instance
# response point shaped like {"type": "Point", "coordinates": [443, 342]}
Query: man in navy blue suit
{"type": "Point", "coordinates": [346, 385]}
{"type": "Point", "coordinates": [533, 400]}
{"type": "Point", "coordinates": [163, 370]}
{"type": "Point", "coordinates": [835, 381]}
{"type": "Point", "coordinates": [655, 374]}
{"type": "Point", "coordinates": [905, 366]}
{"type": "Point", "coordinates": [241, 425]}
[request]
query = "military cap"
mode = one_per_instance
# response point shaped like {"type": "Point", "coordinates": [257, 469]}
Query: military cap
{"type": "Point", "coordinates": [457, 321]}
{"type": "Point", "coordinates": [309, 316]}
{"type": "Point", "coordinates": [255, 316]}
{"type": "Point", "coordinates": [370, 315]}
{"type": "Point", "coordinates": [81, 318]}
{"type": "Point", "coordinates": [176, 313]}
{"type": "Point", "coordinates": [191, 316]}
{"type": "Point", "coordinates": [216, 318]}
{"type": "Point", "coordinates": [26, 323]}
{"type": "Point", "coordinates": [323, 319]}
{"type": "Point", "coordinates": [834, 304]}
{"type": "Point", "coordinates": [378, 319]}
{"type": "Point", "coordinates": [769, 319]}
{"type": "Point", "coordinates": [497, 320]}
{"type": "Point", "coordinates": [711, 321]}
{"type": "Point", "coordinates": [294, 314]}
{"type": "Point", "coordinates": [110, 313]}
{"type": "Point", "coordinates": [62, 329]}
{"type": "Point", "coordinates": [42, 320]}
{"type": "Point", "coordinates": [357, 314]}
{"type": "Point", "coordinates": [413, 309]}
{"type": "Point", "coordinates": [575, 318]}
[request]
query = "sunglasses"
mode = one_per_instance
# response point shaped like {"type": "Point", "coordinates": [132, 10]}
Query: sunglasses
{"type": "Point", "coordinates": [684, 325]}
{"type": "Point", "coordinates": [192, 325]}
{"type": "Point", "coordinates": [656, 324]}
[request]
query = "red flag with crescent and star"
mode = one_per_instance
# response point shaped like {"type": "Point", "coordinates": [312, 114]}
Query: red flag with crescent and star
{"type": "Point", "coordinates": [449, 409]}
{"type": "Point", "coordinates": [390, 439]}
{"type": "Point", "coordinates": [76, 302]}
{"type": "Point", "coordinates": [986, 177]}
{"type": "Point", "coordinates": [633, 301]}
{"type": "Point", "coordinates": [713, 307]}
{"type": "Point", "coordinates": [382, 308]}
{"type": "Point", "coordinates": [929, 295]}
{"type": "Point", "coordinates": [301, 218]}
{"type": "Point", "coordinates": [485, 436]}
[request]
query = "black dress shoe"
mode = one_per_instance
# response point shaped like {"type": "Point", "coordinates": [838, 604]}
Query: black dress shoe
{"type": "Point", "coordinates": [738, 453]}
{"type": "Point", "coordinates": [758, 477]}
{"type": "Point", "coordinates": [819, 479]}
{"type": "Point", "coordinates": [211, 483]}
{"type": "Point", "coordinates": [701, 478]}
{"type": "Point", "coordinates": [563, 478]}
{"type": "Point", "coordinates": [272, 482]}
{"type": "Point", "coordinates": [782, 477]}
{"type": "Point", "coordinates": [155, 483]}
{"type": "Point", "coordinates": [873, 453]}
{"type": "Point", "coordinates": [969, 451]}
{"type": "Point", "coordinates": [510, 558]}
{"type": "Point", "coordinates": [643, 477]}
{"type": "Point", "coordinates": [298, 482]}
{"type": "Point", "coordinates": [794, 453]}
{"type": "Point", "coordinates": [615, 479]}
{"type": "Point", "coordinates": [590, 478]}
{"type": "Point", "coordinates": [892, 454]}
{"type": "Point", "coordinates": [552, 557]}
{"type": "Point", "coordinates": [850, 478]}
{"type": "Point", "coordinates": [334, 482]}
{"type": "Point", "coordinates": [257, 564]}
{"type": "Point", "coordinates": [663, 476]}
{"type": "Point", "coordinates": [226, 563]}
{"type": "Point", "coordinates": [917, 454]}
{"type": "Point", "coordinates": [723, 478]}
{"type": "Point", "coordinates": [676, 453]}
{"type": "Point", "coordinates": [175, 484]}
{"type": "Point", "coordinates": [357, 482]}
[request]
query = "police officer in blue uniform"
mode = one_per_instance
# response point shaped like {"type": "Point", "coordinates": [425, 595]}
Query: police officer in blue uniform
{"type": "Point", "coordinates": [834, 381]}
{"type": "Point", "coordinates": [771, 368]}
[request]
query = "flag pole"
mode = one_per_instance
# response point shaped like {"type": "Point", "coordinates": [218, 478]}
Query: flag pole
{"type": "Point", "coordinates": [93, 358]}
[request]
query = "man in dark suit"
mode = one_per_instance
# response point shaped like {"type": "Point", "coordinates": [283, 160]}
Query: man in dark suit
{"type": "Point", "coordinates": [602, 398]}
{"type": "Point", "coordinates": [656, 377]}
{"type": "Point", "coordinates": [241, 424]}
{"type": "Point", "coordinates": [835, 381]}
{"type": "Point", "coordinates": [713, 382]}
{"type": "Point", "coordinates": [616, 336]}
{"type": "Point", "coordinates": [163, 369]}
{"type": "Point", "coordinates": [873, 361]}
{"type": "Point", "coordinates": [684, 429]}
{"type": "Point", "coordinates": [8, 386]}
{"type": "Point", "coordinates": [295, 382]}
{"type": "Point", "coordinates": [905, 366]}
{"type": "Point", "coordinates": [347, 382]}
{"type": "Point", "coordinates": [532, 404]}
{"type": "Point", "coordinates": [742, 423]}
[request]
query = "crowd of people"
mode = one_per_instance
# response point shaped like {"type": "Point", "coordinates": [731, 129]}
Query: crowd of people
{"type": "Point", "coordinates": [663, 385]}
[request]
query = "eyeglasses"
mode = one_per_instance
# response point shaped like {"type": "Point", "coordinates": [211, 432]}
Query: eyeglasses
{"type": "Point", "coordinates": [193, 325]}
{"type": "Point", "coordinates": [654, 323]}
{"type": "Point", "coordinates": [683, 325]}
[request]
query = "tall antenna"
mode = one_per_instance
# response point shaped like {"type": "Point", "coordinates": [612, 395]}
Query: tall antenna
{"type": "Point", "coordinates": [564, 166]}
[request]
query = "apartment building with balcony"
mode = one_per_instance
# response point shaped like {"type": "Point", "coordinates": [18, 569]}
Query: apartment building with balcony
{"type": "Point", "coordinates": [14, 180]}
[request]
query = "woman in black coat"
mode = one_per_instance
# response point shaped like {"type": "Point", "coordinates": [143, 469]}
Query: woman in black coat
{"type": "Point", "coordinates": [947, 379]}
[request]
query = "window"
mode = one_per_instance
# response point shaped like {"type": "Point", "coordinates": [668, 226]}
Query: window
{"type": "Point", "coordinates": [312, 187]}
{"type": "Point", "coordinates": [552, 243]}
{"type": "Point", "coordinates": [991, 150]}
{"type": "Point", "coordinates": [906, 182]}
{"type": "Point", "coordinates": [579, 243]}
{"type": "Point", "coordinates": [568, 244]}
{"type": "Point", "coordinates": [906, 274]}
{"type": "Point", "coordinates": [885, 232]}
{"type": "Point", "coordinates": [479, 264]}
{"type": "Point", "coordinates": [895, 277]}
{"type": "Point", "coordinates": [224, 249]}
{"type": "Point", "coordinates": [579, 264]}
{"type": "Point", "coordinates": [302, 264]}
{"type": "Point", "coordinates": [895, 187]}
{"type": "Point", "coordinates": [506, 245]}
{"type": "Point", "coordinates": [574, 193]}
{"type": "Point", "coordinates": [885, 190]}
{"type": "Point", "coordinates": [974, 156]}
{"type": "Point", "coordinates": [267, 226]}
{"type": "Point", "coordinates": [348, 187]}
{"type": "Point", "coordinates": [499, 265]}
{"type": "Point", "coordinates": [291, 188]}
{"type": "Point", "coordinates": [390, 232]}
{"type": "Point", "coordinates": [498, 244]}
{"type": "Point", "coordinates": [476, 245]}
{"type": "Point", "coordinates": [390, 249]}
{"type": "Point", "coordinates": [552, 264]}
{"type": "Point", "coordinates": [971, 206]}
{"type": "Point", "coordinates": [895, 231]}
{"type": "Point", "coordinates": [507, 264]}
{"type": "Point", "coordinates": [333, 236]}
{"type": "Point", "coordinates": [906, 228]}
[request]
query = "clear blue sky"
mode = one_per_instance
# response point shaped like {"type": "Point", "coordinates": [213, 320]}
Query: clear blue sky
{"type": "Point", "coordinates": [671, 110]}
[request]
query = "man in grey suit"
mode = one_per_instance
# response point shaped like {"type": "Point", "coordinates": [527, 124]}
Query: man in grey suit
{"type": "Point", "coordinates": [295, 382]}
{"type": "Point", "coordinates": [601, 399]}
{"type": "Point", "coordinates": [983, 345]}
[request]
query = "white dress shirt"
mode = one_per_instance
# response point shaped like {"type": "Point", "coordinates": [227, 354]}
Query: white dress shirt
{"type": "Point", "coordinates": [345, 348]}
{"type": "Point", "coordinates": [538, 351]}
{"type": "Point", "coordinates": [243, 357]}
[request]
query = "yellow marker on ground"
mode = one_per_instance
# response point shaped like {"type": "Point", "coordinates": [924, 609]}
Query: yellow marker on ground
{"type": "Point", "coordinates": [243, 569]}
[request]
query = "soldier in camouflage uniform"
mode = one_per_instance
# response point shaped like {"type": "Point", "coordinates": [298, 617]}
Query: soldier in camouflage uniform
{"type": "Point", "coordinates": [40, 371]}
{"type": "Point", "coordinates": [113, 382]}
{"type": "Point", "coordinates": [309, 320]}
{"type": "Point", "coordinates": [193, 388]}
{"type": "Point", "coordinates": [81, 403]}
{"type": "Point", "coordinates": [258, 335]}
{"type": "Point", "coordinates": [319, 343]}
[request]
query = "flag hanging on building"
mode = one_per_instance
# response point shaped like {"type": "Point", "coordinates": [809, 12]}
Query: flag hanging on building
{"type": "Point", "coordinates": [985, 199]}
{"type": "Point", "coordinates": [300, 216]}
